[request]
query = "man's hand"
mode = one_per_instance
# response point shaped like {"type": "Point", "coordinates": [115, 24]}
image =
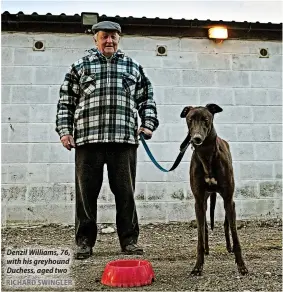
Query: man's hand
{"type": "Point", "coordinates": [68, 142]}
{"type": "Point", "coordinates": [146, 131]}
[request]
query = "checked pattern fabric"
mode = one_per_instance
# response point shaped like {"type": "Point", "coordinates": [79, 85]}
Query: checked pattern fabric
{"type": "Point", "coordinates": [100, 98]}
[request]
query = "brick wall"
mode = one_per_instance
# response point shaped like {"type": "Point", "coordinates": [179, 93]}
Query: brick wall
{"type": "Point", "coordinates": [38, 174]}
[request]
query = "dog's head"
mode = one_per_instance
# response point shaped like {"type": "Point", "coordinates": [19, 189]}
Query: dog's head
{"type": "Point", "coordinates": [200, 121]}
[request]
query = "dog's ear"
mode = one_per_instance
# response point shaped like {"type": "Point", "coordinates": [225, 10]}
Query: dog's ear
{"type": "Point", "coordinates": [214, 108]}
{"type": "Point", "coordinates": [185, 111]}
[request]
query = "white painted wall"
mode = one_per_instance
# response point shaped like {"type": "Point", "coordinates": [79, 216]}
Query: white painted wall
{"type": "Point", "coordinates": [38, 174]}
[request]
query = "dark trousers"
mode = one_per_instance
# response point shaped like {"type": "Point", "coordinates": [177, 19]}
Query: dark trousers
{"type": "Point", "coordinates": [121, 160]}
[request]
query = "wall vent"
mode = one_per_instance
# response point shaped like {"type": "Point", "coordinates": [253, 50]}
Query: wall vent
{"type": "Point", "coordinates": [263, 53]}
{"type": "Point", "coordinates": [161, 50]}
{"type": "Point", "coordinates": [38, 45]}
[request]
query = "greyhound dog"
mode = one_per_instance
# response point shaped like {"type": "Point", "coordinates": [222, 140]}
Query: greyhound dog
{"type": "Point", "coordinates": [211, 172]}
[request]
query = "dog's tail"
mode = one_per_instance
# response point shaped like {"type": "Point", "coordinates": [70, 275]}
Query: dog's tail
{"type": "Point", "coordinates": [212, 208]}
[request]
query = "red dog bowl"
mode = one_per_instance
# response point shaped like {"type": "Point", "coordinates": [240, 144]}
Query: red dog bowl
{"type": "Point", "coordinates": [128, 273]}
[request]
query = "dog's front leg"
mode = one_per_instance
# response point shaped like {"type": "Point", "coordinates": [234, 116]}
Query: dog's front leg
{"type": "Point", "coordinates": [229, 206]}
{"type": "Point", "coordinates": [227, 236]}
{"type": "Point", "coordinates": [206, 246]}
{"type": "Point", "coordinates": [200, 216]}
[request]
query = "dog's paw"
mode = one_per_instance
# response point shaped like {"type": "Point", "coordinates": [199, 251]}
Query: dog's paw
{"type": "Point", "coordinates": [242, 269]}
{"type": "Point", "coordinates": [197, 270]}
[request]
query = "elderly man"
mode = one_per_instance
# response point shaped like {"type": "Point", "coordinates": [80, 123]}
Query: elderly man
{"type": "Point", "coordinates": [97, 115]}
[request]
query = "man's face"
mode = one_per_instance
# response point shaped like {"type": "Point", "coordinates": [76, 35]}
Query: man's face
{"type": "Point", "coordinates": [107, 42]}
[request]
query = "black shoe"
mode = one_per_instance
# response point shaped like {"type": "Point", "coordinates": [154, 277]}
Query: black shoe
{"type": "Point", "coordinates": [132, 248]}
{"type": "Point", "coordinates": [84, 250]}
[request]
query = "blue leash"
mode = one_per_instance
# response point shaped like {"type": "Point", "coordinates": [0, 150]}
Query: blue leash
{"type": "Point", "coordinates": [183, 149]}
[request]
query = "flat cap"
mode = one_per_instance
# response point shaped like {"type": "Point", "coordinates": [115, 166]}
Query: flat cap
{"type": "Point", "coordinates": [105, 26]}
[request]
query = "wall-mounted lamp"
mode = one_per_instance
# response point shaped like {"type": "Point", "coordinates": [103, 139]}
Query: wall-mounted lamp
{"type": "Point", "coordinates": [88, 19]}
{"type": "Point", "coordinates": [218, 34]}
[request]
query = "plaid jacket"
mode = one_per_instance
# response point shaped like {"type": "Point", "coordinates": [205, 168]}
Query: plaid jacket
{"type": "Point", "coordinates": [100, 98]}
